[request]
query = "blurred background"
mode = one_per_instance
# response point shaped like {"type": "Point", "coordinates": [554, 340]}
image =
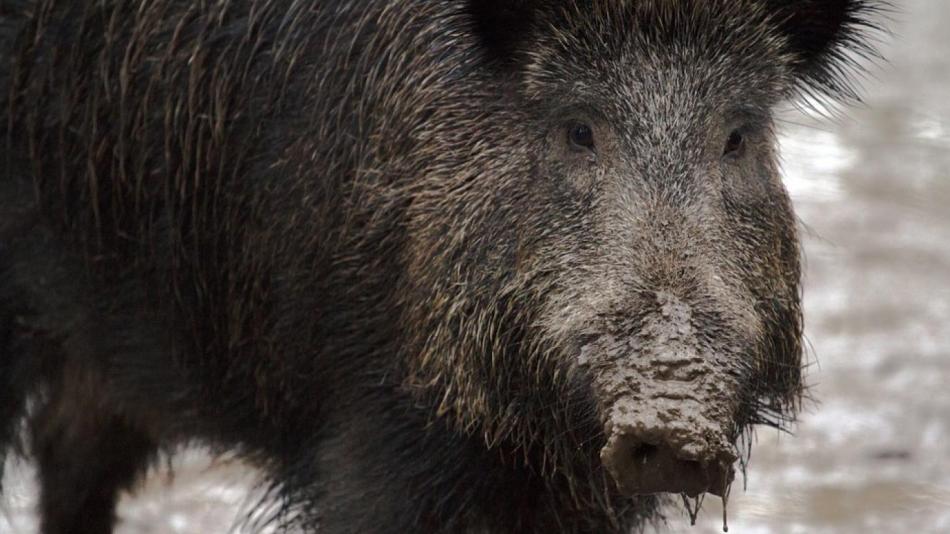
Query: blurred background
{"type": "Point", "coordinates": [872, 452]}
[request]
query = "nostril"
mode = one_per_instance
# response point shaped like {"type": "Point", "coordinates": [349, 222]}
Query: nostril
{"type": "Point", "coordinates": [692, 470]}
{"type": "Point", "coordinates": [644, 453]}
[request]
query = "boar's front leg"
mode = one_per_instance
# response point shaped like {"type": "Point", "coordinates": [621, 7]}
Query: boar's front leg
{"type": "Point", "coordinates": [57, 351]}
{"type": "Point", "coordinates": [85, 457]}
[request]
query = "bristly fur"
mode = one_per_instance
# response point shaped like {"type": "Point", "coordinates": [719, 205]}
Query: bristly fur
{"type": "Point", "coordinates": [334, 239]}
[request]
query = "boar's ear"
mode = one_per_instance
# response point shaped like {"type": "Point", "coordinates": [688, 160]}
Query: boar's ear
{"type": "Point", "coordinates": [826, 38]}
{"type": "Point", "coordinates": [502, 25]}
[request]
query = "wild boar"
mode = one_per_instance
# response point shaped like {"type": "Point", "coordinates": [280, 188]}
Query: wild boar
{"type": "Point", "coordinates": [433, 266]}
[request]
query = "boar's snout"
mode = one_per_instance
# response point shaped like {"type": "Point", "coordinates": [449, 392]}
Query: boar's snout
{"type": "Point", "coordinates": [669, 394]}
{"type": "Point", "coordinates": [647, 457]}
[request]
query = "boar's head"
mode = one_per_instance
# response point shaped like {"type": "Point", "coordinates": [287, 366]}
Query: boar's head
{"type": "Point", "coordinates": [604, 263]}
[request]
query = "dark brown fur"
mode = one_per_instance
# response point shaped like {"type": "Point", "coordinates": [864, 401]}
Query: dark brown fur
{"type": "Point", "coordinates": [332, 238]}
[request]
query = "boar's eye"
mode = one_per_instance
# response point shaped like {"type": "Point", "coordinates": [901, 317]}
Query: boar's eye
{"type": "Point", "coordinates": [580, 136]}
{"type": "Point", "coordinates": [735, 145]}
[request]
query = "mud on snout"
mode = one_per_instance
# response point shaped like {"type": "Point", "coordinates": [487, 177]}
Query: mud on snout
{"type": "Point", "coordinates": [669, 398]}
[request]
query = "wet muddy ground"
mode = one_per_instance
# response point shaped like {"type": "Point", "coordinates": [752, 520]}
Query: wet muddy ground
{"type": "Point", "coordinates": [872, 453]}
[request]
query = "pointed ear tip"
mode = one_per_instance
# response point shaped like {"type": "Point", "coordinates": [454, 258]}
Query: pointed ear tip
{"type": "Point", "coordinates": [829, 38]}
{"type": "Point", "coordinates": [815, 28]}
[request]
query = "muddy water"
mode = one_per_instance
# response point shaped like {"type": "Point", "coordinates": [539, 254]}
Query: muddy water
{"type": "Point", "coordinates": [872, 454]}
